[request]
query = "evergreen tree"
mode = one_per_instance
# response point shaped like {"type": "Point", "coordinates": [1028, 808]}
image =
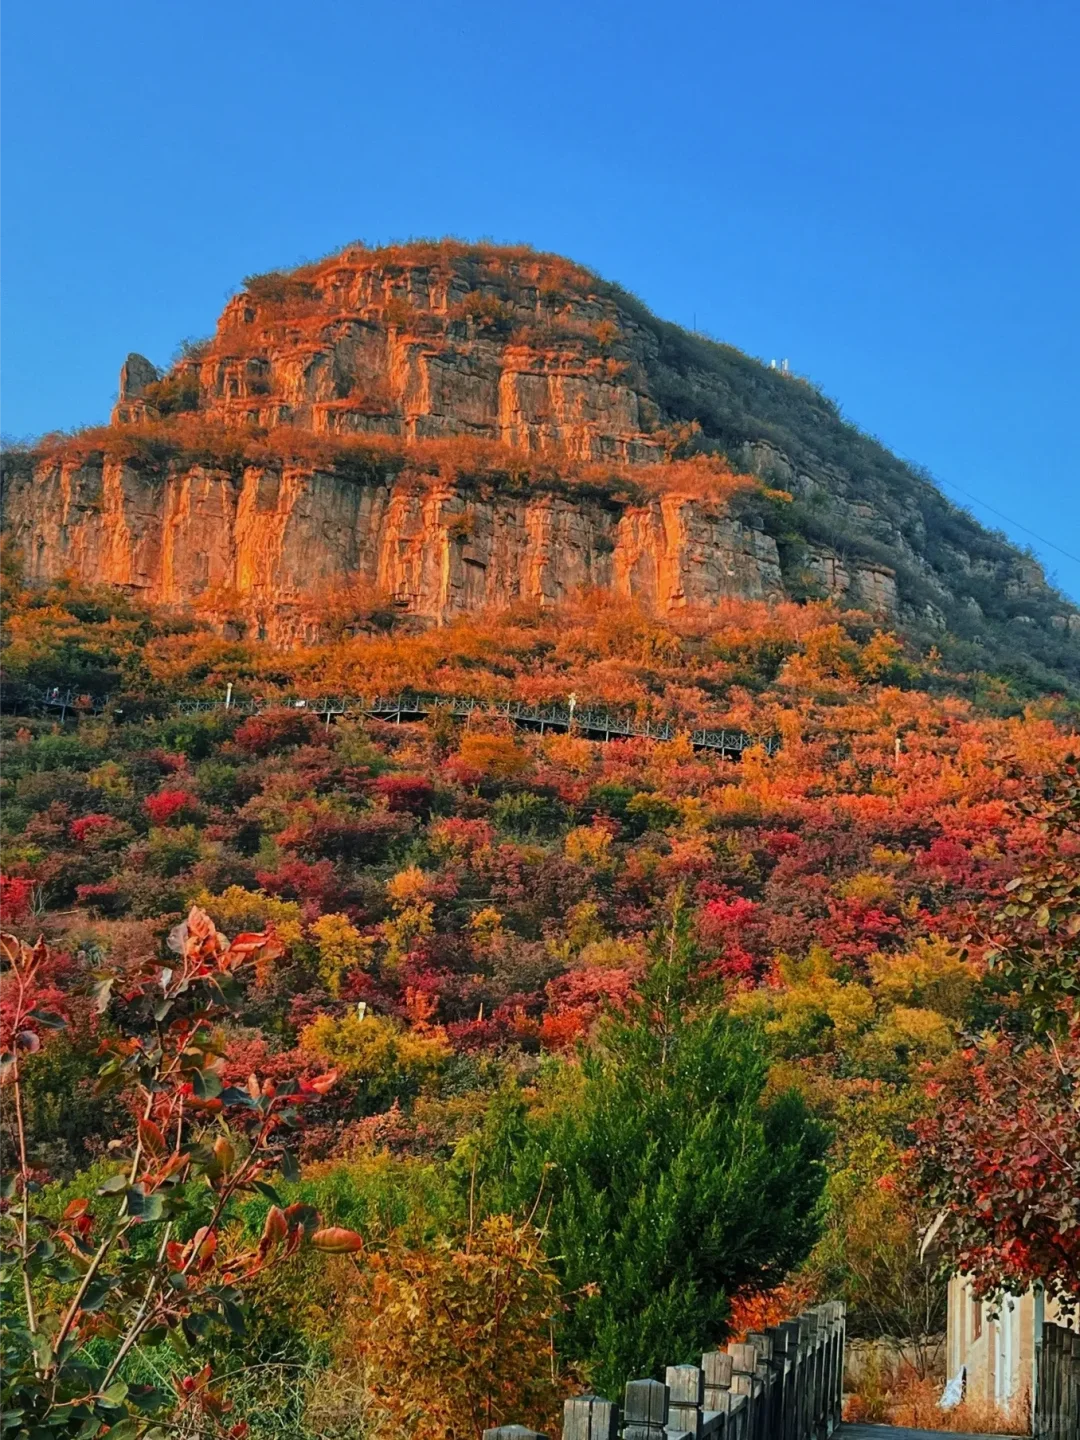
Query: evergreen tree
{"type": "Point", "coordinates": [668, 1179]}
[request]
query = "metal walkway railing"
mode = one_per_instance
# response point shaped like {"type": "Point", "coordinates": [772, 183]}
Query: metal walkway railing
{"type": "Point", "coordinates": [589, 721]}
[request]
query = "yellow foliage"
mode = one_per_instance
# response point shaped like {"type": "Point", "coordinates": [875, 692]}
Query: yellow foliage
{"type": "Point", "coordinates": [237, 909]}
{"type": "Point", "coordinates": [455, 1335]}
{"type": "Point", "coordinates": [905, 1038]}
{"type": "Point", "coordinates": [341, 948]}
{"type": "Point", "coordinates": [589, 845]}
{"type": "Point", "coordinates": [894, 859]}
{"type": "Point", "coordinates": [818, 965]}
{"type": "Point", "coordinates": [816, 1014]}
{"type": "Point", "coordinates": [613, 954]}
{"type": "Point", "coordinates": [869, 889]}
{"type": "Point", "coordinates": [408, 887]}
{"type": "Point", "coordinates": [110, 778]}
{"type": "Point", "coordinates": [880, 653]}
{"type": "Point", "coordinates": [486, 924]}
{"type": "Point", "coordinates": [571, 753]}
{"type": "Point", "coordinates": [411, 924]}
{"type": "Point", "coordinates": [376, 1048]}
{"type": "Point", "coordinates": [497, 756]}
{"type": "Point", "coordinates": [583, 924]}
{"type": "Point", "coordinates": [933, 975]}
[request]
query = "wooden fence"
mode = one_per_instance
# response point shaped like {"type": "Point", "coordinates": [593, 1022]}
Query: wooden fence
{"type": "Point", "coordinates": [1057, 1391]}
{"type": "Point", "coordinates": [785, 1383]}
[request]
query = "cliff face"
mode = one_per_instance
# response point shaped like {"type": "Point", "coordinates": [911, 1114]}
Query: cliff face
{"type": "Point", "coordinates": [278, 544]}
{"type": "Point", "coordinates": [288, 461]}
{"type": "Point", "coordinates": [493, 345]}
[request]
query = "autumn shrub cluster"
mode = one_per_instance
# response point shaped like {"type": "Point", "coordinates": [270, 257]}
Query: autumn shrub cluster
{"type": "Point", "coordinates": [470, 925]}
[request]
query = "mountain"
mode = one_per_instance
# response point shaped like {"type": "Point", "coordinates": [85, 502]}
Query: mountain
{"type": "Point", "coordinates": [429, 429]}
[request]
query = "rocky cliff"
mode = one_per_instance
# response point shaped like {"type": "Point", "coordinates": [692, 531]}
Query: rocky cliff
{"type": "Point", "coordinates": [276, 545]}
{"type": "Point", "coordinates": [449, 427]}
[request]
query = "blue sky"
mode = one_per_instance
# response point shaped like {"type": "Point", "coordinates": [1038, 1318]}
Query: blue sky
{"type": "Point", "coordinates": [886, 193]}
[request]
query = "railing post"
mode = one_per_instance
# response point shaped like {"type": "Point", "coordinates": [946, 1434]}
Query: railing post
{"type": "Point", "coordinates": [745, 1380]}
{"type": "Point", "coordinates": [771, 1365]}
{"type": "Point", "coordinates": [818, 1374]}
{"type": "Point", "coordinates": [686, 1396]}
{"type": "Point", "coordinates": [645, 1410]}
{"type": "Point", "coordinates": [740, 1417]}
{"type": "Point", "coordinates": [840, 1309]}
{"type": "Point", "coordinates": [588, 1417]}
{"type": "Point", "coordinates": [766, 1374]}
{"type": "Point", "coordinates": [785, 1351]}
{"type": "Point", "coordinates": [716, 1368]}
{"type": "Point", "coordinates": [806, 1376]}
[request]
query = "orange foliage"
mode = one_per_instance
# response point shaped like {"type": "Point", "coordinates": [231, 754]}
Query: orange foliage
{"type": "Point", "coordinates": [903, 1398]}
{"type": "Point", "coordinates": [755, 1310]}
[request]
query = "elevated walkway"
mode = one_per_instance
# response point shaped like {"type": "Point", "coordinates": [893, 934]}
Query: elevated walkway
{"type": "Point", "coordinates": [590, 721]}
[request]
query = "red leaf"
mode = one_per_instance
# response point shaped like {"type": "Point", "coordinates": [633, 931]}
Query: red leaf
{"type": "Point", "coordinates": [276, 1226]}
{"type": "Point", "coordinates": [152, 1138]}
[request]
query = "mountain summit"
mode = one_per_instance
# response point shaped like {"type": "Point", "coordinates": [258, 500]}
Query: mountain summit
{"type": "Point", "coordinates": [433, 428]}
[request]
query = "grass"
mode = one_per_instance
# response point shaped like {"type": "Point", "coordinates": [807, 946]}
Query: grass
{"type": "Point", "coordinates": [901, 1397]}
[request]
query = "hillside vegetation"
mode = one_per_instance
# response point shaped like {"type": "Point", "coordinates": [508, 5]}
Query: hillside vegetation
{"type": "Point", "coordinates": [507, 967]}
{"type": "Point", "coordinates": [372, 1080]}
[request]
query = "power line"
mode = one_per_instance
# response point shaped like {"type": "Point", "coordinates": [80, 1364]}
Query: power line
{"type": "Point", "coordinates": [1009, 520]}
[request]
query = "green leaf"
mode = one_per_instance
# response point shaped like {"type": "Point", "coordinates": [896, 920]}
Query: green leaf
{"type": "Point", "coordinates": [195, 1326]}
{"type": "Point", "coordinates": [97, 1292]}
{"type": "Point", "coordinates": [146, 1398]}
{"type": "Point", "coordinates": [126, 1429]}
{"type": "Point", "coordinates": [113, 1185]}
{"type": "Point", "coordinates": [101, 991]}
{"type": "Point", "coordinates": [116, 1393]}
{"type": "Point", "coordinates": [49, 1019]}
{"type": "Point", "coordinates": [206, 1084]}
{"type": "Point", "coordinates": [43, 1350]}
{"type": "Point", "coordinates": [290, 1170]}
{"type": "Point", "coordinates": [234, 1317]}
{"type": "Point", "coordinates": [231, 1095]}
{"type": "Point", "coordinates": [264, 1188]}
{"type": "Point", "coordinates": [143, 1206]}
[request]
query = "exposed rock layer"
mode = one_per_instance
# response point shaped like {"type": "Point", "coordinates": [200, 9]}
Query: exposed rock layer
{"type": "Point", "coordinates": [280, 544]}
{"type": "Point", "coordinates": [536, 355]}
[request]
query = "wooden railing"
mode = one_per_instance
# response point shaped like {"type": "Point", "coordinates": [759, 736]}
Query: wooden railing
{"type": "Point", "coordinates": [785, 1383]}
{"type": "Point", "coordinates": [1057, 1389]}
